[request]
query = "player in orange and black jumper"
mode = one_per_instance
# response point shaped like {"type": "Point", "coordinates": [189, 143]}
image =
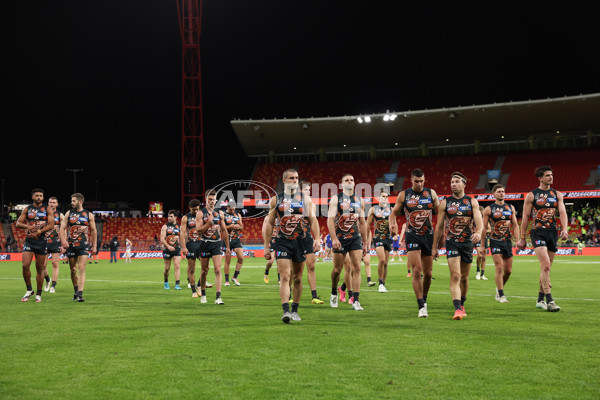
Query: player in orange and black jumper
{"type": "Point", "coordinates": [189, 241]}
{"type": "Point", "coordinates": [458, 211]}
{"type": "Point", "coordinates": [290, 206]}
{"type": "Point", "coordinates": [77, 224]}
{"type": "Point", "coordinates": [347, 227]}
{"type": "Point", "coordinates": [500, 216]}
{"type": "Point", "coordinates": [213, 233]}
{"type": "Point", "coordinates": [379, 215]}
{"type": "Point", "coordinates": [37, 220]}
{"type": "Point", "coordinates": [54, 246]}
{"type": "Point", "coordinates": [419, 203]}
{"type": "Point", "coordinates": [235, 226]}
{"type": "Point", "coordinates": [541, 205]}
{"type": "Point", "coordinates": [169, 237]}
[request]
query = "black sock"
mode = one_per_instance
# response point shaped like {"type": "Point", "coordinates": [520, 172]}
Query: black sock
{"type": "Point", "coordinates": [482, 271]}
{"type": "Point", "coordinates": [409, 271]}
{"type": "Point", "coordinates": [166, 280]}
{"type": "Point", "coordinates": [350, 294]}
{"type": "Point", "coordinates": [334, 291]}
{"type": "Point", "coordinates": [53, 283]}
{"type": "Point", "coordinates": [75, 289]}
{"type": "Point", "coordinates": [314, 294]}
{"type": "Point", "coordinates": [295, 307]}
{"type": "Point", "coordinates": [80, 293]}
{"type": "Point", "coordinates": [541, 296]}
{"type": "Point", "coordinates": [501, 292]}
{"type": "Point", "coordinates": [203, 291]}
{"type": "Point", "coordinates": [421, 303]}
{"type": "Point", "coordinates": [478, 269]}
{"type": "Point", "coordinates": [39, 292]}
{"type": "Point", "coordinates": [266, 271]}
{"type": "Point", "coordinates": [424, 298]}
{"type": "Point", "coordinates": [548, 297]}
{"type": "Point", "coordinates": [218, 295]}
{"type": "Point", "coordinates": [47, 278]}
{"type": "Point", "coordinates": [177, 282]}
{"type": "Point", "coordinates": [193, 288]}
{"type": "Point", "coordinates": [462, 300]}
{"type": "Point", "coordinates": [29, 288]}
{"type": "Point", "coordinates": [226, 277]}
{"type": "Point", "coordinates": [285, 306]}
{"type": "Point", "coordinates": [198, 283]}
{"type": "Point", "coordinates": [343, 287]}
{"type": "Point", "coordinates": [236, 273]}
{"type": "Point", "coordinates": [278, 277]}
{"type": "Point", "coordinates": [456, 304]}
{"type": "Point", "coordinates": [368, 279]}
{"type": "Point", "coordinates": [381, 281]}
{"type": "Point", "coordinates": [355, 296]}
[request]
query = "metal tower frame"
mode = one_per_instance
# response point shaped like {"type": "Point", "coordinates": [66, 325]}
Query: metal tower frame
{"type": "Point", "coordinates": [192, 132]}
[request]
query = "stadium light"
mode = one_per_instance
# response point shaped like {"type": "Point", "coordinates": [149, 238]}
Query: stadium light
{"type": "Point", "coordinates": [360, 120]}
{"type": "Point", "coordinates": [367, 119]}
{"type": "Point", "coordinates": [393, 117]}
{"type": "Point", "coordinates": [386, 117]}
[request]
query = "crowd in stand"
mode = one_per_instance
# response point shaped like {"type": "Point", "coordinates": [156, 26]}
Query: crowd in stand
{"type": "Point", "coordinates": [588, 219]}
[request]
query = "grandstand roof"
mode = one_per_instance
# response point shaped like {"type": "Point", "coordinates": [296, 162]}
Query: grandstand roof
{"type": "Point", "coordinates": [463, 124]}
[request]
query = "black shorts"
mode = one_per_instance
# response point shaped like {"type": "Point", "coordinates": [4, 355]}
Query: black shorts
{"type": "Point", "coordinates": [462, 250]}
{"type": "Point", "coordinates": [38, 247]}
{"type": "Point", "coordinates": [385, 243]}
{"type": "Point", "coordinates": [419, 242]}
{"type": "Point", "coordinates": [73, 252]}
{"type": "Point", "coordinates": [209, 249]}
{"type": "Point", "coordinates": [272, 245]}
{"type": "Point", "coordinates": [503, 247]}
{"type": "Point", "coordinates": [167, 254]}
{"type": "Point", "coordinates": [235, 244]}
{"type": "Point", "coordinates": [308, 242]}
{"type": "Point", "coordinates": [349, 245]}
{"type": "Point", "coordinates": [53, 248]}
{"type": "Point", "coordinates": [545, 238]}
{"type": "Point", "coordinates": [286, 249]}
{"type": "Point", "coordinates": [193, 248]}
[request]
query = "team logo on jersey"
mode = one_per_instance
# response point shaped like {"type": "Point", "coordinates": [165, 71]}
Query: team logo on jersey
{"type": "Point", "coordinates": [32, 214]}
{"type": "Point", "coordinates": [497, 214]}
{"type": "Point", "coordinates": [540, 201]}
{"type": "Point", "coordinates": [345, 205]}
{"type": "Point", "coordinates": [347, 221]}
{"type": "Point", "coordinates": [458, 224]}
{"type": "Point", "coordinates": [288, 224]}
{"type": "Point", "coordinates": [417, 219]}
{"type": "Point", "coordinates": [452, 209]}
{"type": "Point", "coordinates": [173, 240]}
{"type": "Point", "coordinates": [284, 206]}
{"type": "Point", "coordinates": [546, 214]}
{"type": "Point", "coordinates": [73, 218]}
{"type": "Point", "coordinates": [466, 201]}
{"type": "Point", "coordinates": [501, 228]}
{"type": "Point", "coordinates": [191, 222]}
{"type": "Point", "coordinates": [426, 193]}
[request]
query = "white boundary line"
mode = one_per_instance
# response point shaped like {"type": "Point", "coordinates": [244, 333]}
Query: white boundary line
{"type": "Point", "coordinates": [324, 288]}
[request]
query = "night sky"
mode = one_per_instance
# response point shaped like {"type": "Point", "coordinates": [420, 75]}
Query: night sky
{"type": "Point", "coordinates": [97, 85]}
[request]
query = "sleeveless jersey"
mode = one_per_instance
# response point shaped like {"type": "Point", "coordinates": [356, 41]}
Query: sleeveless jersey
{"type": "Point", "coordinates": [459, 215]}
{"type": "Point", "coordinates": [290, 211]}
{"type": "Point", "coordinates": [382, 222]}
{"type": "Point", "coordinates": [212, 234]}
{"type": "Point", "coordinates": [172, 235]}
{"type": "Point", "coordinates": [543, 210]}
{"type": "Point", "coordinates": [37, 218]}
{"type": "Point", "coordinates": [53, 236]}
{"type": "Point", "coordinates": [418, 208]}
{"type": "Point", "coordinates": [346, 220]}
{"type": "Point", "coordinates": [500, 217]}
{"type": "Point", "coordinates": [77, 228]}
{"type": "Point", "coordinates": [192, 233]}
{"type": "Point", "coordinates": [231, 219]}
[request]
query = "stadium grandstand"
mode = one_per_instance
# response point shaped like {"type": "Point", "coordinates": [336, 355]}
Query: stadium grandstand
{"type": "Point", "coordinates": [491, 143]}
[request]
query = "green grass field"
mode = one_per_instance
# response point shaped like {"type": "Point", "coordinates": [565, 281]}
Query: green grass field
{"type": "Point", "coordinates": [132, 339]}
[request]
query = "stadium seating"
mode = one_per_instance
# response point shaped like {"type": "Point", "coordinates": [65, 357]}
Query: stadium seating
{"type": "Point", "coordinates": [571, 168]}
{"type": "Point", "coordinates": [136, 229]}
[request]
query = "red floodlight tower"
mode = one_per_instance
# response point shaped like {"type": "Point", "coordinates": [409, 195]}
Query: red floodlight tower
{"type": "Point", "coordinates": [192, 136]}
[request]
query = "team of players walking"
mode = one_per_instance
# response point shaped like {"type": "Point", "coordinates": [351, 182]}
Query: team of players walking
{"type": "Point", "coordinates": [291, 224]}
